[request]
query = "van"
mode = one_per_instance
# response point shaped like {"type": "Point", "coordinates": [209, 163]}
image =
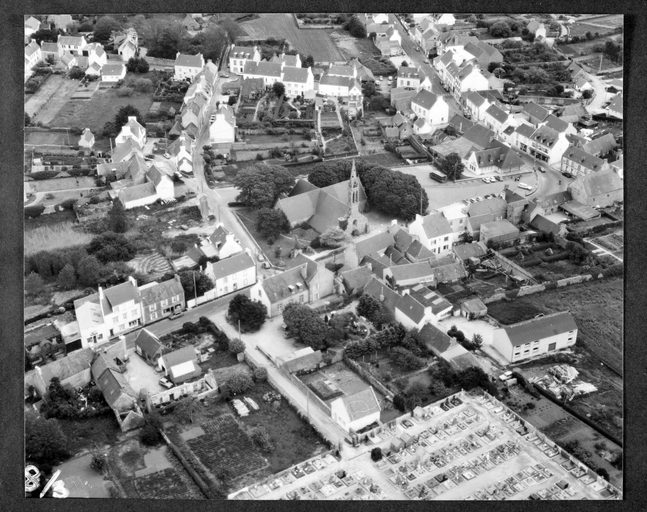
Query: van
{"type": "Point", "coordinates": [524, 186]}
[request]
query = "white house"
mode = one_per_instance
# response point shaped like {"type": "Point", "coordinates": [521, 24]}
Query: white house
{"type": "Point", "coordinates": [535, 337]}
{"type": "Point", "coordinates": [163, 184]}
{"type": "Point", "coordinates": [496, 119]}
{"type": "Point", "coordinates": [33, 55]}
{"type": "Point", "coordinates": [113, 72]}
{"type": "Point", "coordinates": [225, 242]}
{"type": "Point", "coordinates": [132, 130]}
{"type": "Point", "coordinates": [547, 145]}
{"type": "Point", "coordinates": [67, 61]}
{"type": "Point", "coordinates": [76, 45]}
{"type": "Point", "coordinates": [232, 274]}
{"type": "Point", "coordinates": [60, 21]}
{"type": "Point", "coordinates": [577, 162]}
{"type": "Point", "coordinates": [380, 18]}
{"type": "Point", "coordinates": [354, 412]}
{"type": "Point", "coordinates": [333, 85]}
{"type": "Point", "coordinates": [270, 72]}
{"type": "Point", "coordinates": [467, 78]}
{"type": "Point", "coordinates": [187, 66]}
{"type": "Point", "coordinates": [108, 313]}
{"type": "Point", "coordinates": [475, 105]}
{"type": "Point", "coordinates": [434, 232]}
{"type": "Point", "coordinates": [223, 128]}
{"type": "Point", "coordinates": [180, 365]}
{"type": "Point", "coordinates": [87, 139]}
{"type": "Point", "coordinates": [239, 55]}
{"type": "Point", "coordinates": [615, 107]}
{"type": "Point", "coordinates": [420, 305]}
{"type": "Point", "coordinates": [430, 107]}
{"type": "Point", "coordinates": [180, 152]}
{"type": "Point", "coordinates": [446, 19]}
{"type": "Point", "coordinates": [31, 25]}
{"type": "Point", "coordinates": [97, 55]}
{"type": "Point", "coordinates": [298, 81]}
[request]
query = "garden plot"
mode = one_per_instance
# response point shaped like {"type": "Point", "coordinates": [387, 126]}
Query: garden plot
{"type": "Point", "coordinates": [152, 263]}
{"type": "Point", "coordinates": [226, 446]}
{"type": "Point", "coordinates": [165, 485]}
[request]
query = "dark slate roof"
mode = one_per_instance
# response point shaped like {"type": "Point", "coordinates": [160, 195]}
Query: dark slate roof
{"type": "Point", "coordinates": [472, 250]}
{"type": "Point", "coordinates": [479, 135]}
{"type": "Point", "coordinates": [420, 270]}
{"type": "Point", "coordinates": [601, 145]}
{"type": "Point", "coordinates": [460, 123]}
{"type": "Point", "coordinates": [73, 364]}
{"type": "Point", "coordinates": [425, 99]}
{"type": "Point", "coordinates": [40, 333]}
{"type": "Point", "coordinates": [411, 308]}
{"type": "Point", "coordinates": [418, 251]}
{"type": "Point", "coordinates": [114, 386]}
{"type": "Point", "coordinates": [377, 288]}
{"type": "Point", "coordinates": [101, 364]}
{"type": "Point", "coordinates": [525, 130]}
{"type": "Point", "coordinates": [557, 198]}
{"type": "Point", "coordinates": [121, 294]}
{"type": "Point", "coordinates": [148, 343]}
{"type": "Point", "coordinates": [232, 265]}
{"type": "Point", "coordinates": [557, 124]}
{"type": "Point", "coordinates": [430, 299]}
{"type": "Point", "coordinates": [497, 113]}
{"type": "Point", "coordinates": [544, 224]}
{"type": "Point", "coordinates": [161, 291]}
{"type": "Point", "coordinates": [402, 240]}
{"type": "Point", "coordinates": [601, 182]}
{"type": "Point", "coordinates": [435, 225]}
{"type": "Point", "coordinates": [298, 75]}
{"type": "Point", "coordinates": [373, 244]}
{"type": "Point", "coordinates": [545, 136]}
{"type": "Point", "coordinates": [377, 265]}
{"type": "Point", "coordinates": [495, 205]}
{"type": "Point", "coordinates": [583, 158]}
{"type": "Point", "coordinates": [357, 278]}
{"type": "Point", "coordinates": [499, 228]}
{"type": "Point", "coordinates": [180, 356]}
{"type": "Point", "coordinates": [435, 340]}
{"type": "Point", "coordinates": [276, 287]}
{"type": "Point", "coordinates": [263, 68]}
{"type": "Point", "coordinates": [192, 61]}
{"type": "Point", "coordinates": [535, 110]}
{"type": "Point", "coordinates": [539, 328]}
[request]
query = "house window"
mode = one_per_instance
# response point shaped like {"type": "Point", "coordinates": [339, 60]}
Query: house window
{"type": "Point", "coordinates": [152, 307]}
{"type": "Point", "coordinates": [164, 302]}
{"type": "Point", "coordinates": [153, 316]}
{"type": "Point", "coordinates": [175, 298]}
{"type": "Point", "coordinates": [300, 298]}
{"type": "Point", "coordinates": [259, 293]}
{"type": "Point", "coordinates": [124, 316]}
{"type": "Point", "coordinates": [224, 279]}
{"type": "Point", "coordinates": [551, 346]}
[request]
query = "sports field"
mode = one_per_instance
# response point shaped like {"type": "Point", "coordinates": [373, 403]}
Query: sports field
{"type": "Point", "coordinates": [317, 43]}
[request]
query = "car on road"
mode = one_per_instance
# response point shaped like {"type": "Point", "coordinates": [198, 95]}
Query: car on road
{"type": "Point", "coordinates": [176, 315]}
{"type": "Point", "coordinates": [224, 75]}
{"type": "Point", "coordinates": [524, 186]}
{"type": "Point", "coordinates": [541, 169]}
{"type": "Point", "coordinates": [166, 383]}
{"type": "Point", "coordinates": [498, 178]}
{"type": "Point", "coordinates": [261, 257]}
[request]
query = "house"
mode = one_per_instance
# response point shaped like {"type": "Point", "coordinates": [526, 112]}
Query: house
{"type": "Point", "coordinates": [456, 215]}
{"type": "Point", "coordinates": [577, 162]}
{"type": "Point", "coordinates": [318, 278]}
{"type": "Point", "coordinates": [487, 210]}
{"type": "Point", "coordinates": [535, 337]}
{"type": "Point", "coordinates": [575, 71]}
{"type": "Point", "coordinates": [408, 77]}
{"type": "Point", "coordinates": [31, 25]}
{"type": "Point", "coordinates": [381, 291]}
{"type": "Point", "coordinates": [94, 69]}
{"type": "Point", "coordinates": [454, 40]}
{"type": "Point", "coordinates": [76, 45]}
{"type": "Point", "coordinates": [127, 44]}
{"type": "Point", "coordinates": [190, 24]}
{"type": "Point", "coordinates": [538, 29]}
{"type": "Point", "coordinates": [298, 81]}
{"type": "Point", "coordinates": [436, 341]}
{"type": "Point", "coordinates": [109, 313]}
{"type": "Point", "coordinates": [270, 72]}
{"type": "Point", "coordinates": [388, 48]}
{"type": "Point", "coordinates": [559, 125]}
{"type": "Point", "coordinates": [60, 21]}
{"type": "Point", "coordinates": [515, 206]}
{"type": "Point", "coordinates": [484, 53]}
{"type": "Point", "coordinates": [33, 55]}
{"type": "Point", "coordinates": [429, 38]}
{"type": "Point", "coordinates": [187, 66]}
{"type": "Point", "coordinates": [97, 55]}
{"type": "Point", "coordinates": [597, 189]}
{"type": "Point", "coordinates": [401, 98]}
{"type": "Point", "coordinates": [278, 291]}
{"type": "Point", "coordinates": [434, 232]}
{"type": "Point", "coordinates": [574, 113]}
{"type": "Point", "coordinates": [410, 274]}
{"type": "Point", "coordinates": [464, 252]}
{"type": "Point", "coordinates": [498, 232]}
{"type": "Point", "coordinates": [50, 50]}
{"type": "Point", "coordinates": [67, 61]}
{"type": "Point", "coordinates": [353, 413]}
{"type": "Point", "coordinates": [534, 113]}
{"type": "Point", "coordinates": [446, 19]}
{"type": "Point", "coordinates": [181, 153]}
{"type": "Point", "coordinates": [335, 85]}
{"type": "Point", "coordinates": [615, 107]}
{"type": "Point", "coordinates": [430, 107]}
{"type": "Point", "coordinates": [446, 270]}
{"type": "Point", "coordinates": [547, 145]}
{"type": "Point", "coordinates": [225, 242]}
{"type": "Point", "coordinates": [239, 55]}
{"type": "Point", "coordinates": [501, 159]}
{"type": "Point", "coordinates": [73, 371]}
{"type": "Point", "coordinates": [355, 280]}
{"type": "Point", "coordinates": [113, 72]}
{"type": "Point", "coordinates": [232, 274]}
{"type": "Point", "coordinates": [582, 84]}
{"type": "Point", "coordinates": [496, 119]}
{"type": "Point", "coordinates": [546, 225]}
{"type": "Point", "coordinates": [160, 300]}
{"type": "Point", "coordinates": [466, 78]}
{"type": "Point", "coordinates": [87, 140]}
{"type": "Point", "coordinates": [475, 105]}
{"type": "Point", "coordinates": [292, 61]}
{"type": "Point", "coordinates": [302, 360]}
{"type": "Point", "coordinates": [375, 245]}
{"type": "Point", "coordinates": [148, 346]}
{"type": "Point", "coordinates": [180, 365]}
{"type": "Point", "coordinates": [420, 305]}
{"type": "Point", "coordinates": [601, 146]}
{"type": "Point", "coordinates": [223, 128]}
{"type": "Point", "coordinates": [132, 130]}
{"type": "Point", "coordinates": [338, 205]}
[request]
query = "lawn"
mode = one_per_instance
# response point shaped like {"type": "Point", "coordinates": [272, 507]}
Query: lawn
{"type": "Point", "coordinates": [103, 107]}
{"type": "Point", "coordinates": [90, 433]}
{"type": "Point", "coordinates": [580, 29]}
{"type": "Point", "coordinates": [49, 138]}
{"type": "Point", "coordinates": [352, 47]}
{"type": "Point", "coordinates": [597, 307]}
{"type": "Point", "coordinates": [317, 43]}
{"type": "Point", "coordinates": [386, 159]}
{"type": "Point", "coordinates": [53, 236]}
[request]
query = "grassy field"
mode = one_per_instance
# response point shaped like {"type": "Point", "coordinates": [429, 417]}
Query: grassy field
{"type": "Point", "coordinates": [580, 29]}
{"type": "Point", "coordinates": [317, 43]}
{"type": "Point", "coordinates": [597, 307]}
{"type": "Point", "coordinates": [50, 138]}
{"type": "Point", "coordinates": [56, 236]}
{"type": "Point", "coordinates": [103, 107]}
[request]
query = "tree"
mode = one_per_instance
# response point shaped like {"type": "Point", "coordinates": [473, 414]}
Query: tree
{"type": "Point", "coordinates": [104, 28]}
{"type": "Point", "coordinates": [602, 472]}
{"type": "Point", "coordinates": [500, 29]}
{"type": "Point", "coordinates": [27, 119]}
{"type": "Point", "coordinates": [472, 19]}
{"type": "Point", "coordinates": [379, 102]}
{"type": "Point", "coordinates": [251, 313]}
{"type": "Point", "coordinates": [99, 463]}
{"type": "Point", "coordinates": [271, 222]}
{"type": "Point", "coordinates": [355, 27]}
{"type": "Point", "coordinates": [186, 409]}
{"type": "Point", "coordinates": [89, 271]}
{"type": "Point", "coordinates": [239, 383]}
{"type": "Point", "coordinates": [76, 73]}
{"type": "Point", "coordinates": [368, 89]}
{"type": "Point", "coordinates": [404, 64]}
{"type": "Point", "coordinates": [44, 35]}
{"type": "Point", "coordinates": [45, 441]}
{"type": "Point", "coordinates": [376, 454]}
{"type": "Point", "coordinates": [305, 324]}
{"type": "Point", "coordinates": [260, 374]}
{"type": "Point", "coordinates": [260, 184]}
{"type": "Point", "coordinates": [308, 62]}
{"type": "Point", "coordinates": [399, 402]}
{"type": "Point", "coordinates": [67, 277]}
{"type": "Point", "coordinates": [587, 94]}
{"type": "Point", "coordinates": [406, 359]}
{"type": "Point", "coordinates": [34, 284]}
{"type": "Point", "coordinates": [278, 88]}
{"type": "Point", "coordinates": [333, 238]}
{"type": "Point", "coordinates": [477, 340]}
{"type": "Point", "coordinates": [124, 113]}
{"type": "Point", "coordinates": [117, 217]}
{"type": "Point", "coordinates": [236, 346]}
{"type": "Point", "coordinates": [368, 307]}
{"type": "Point", "coordinates": [150, 436]}
{"type": "Point", "coordinates": [211, 41]}
{"type": "Point", "coordinates": [202, 282]}
{"type": "Point", "coordinates": [111, 246]}
{"type": "Point", "coordinates": [452, 165]}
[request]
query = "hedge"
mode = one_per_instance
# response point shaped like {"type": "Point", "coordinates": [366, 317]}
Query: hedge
{"type": "Point", "coordinates": [530, 263]}
{"type": "Point", "coordinates": [554, 257]}
{"type": "Point", "coordinates": [34, 211]}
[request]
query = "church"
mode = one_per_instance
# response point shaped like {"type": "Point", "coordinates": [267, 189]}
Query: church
{"type": "Point", "coordinates": [336, 206]}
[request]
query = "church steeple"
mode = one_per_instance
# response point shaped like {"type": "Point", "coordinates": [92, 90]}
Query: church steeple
{"type": "Point", "coordinates": [353, 189]}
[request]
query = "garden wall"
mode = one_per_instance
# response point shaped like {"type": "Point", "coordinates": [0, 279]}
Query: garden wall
{"type": "Point", "coordinates": [312, 397]}
{"type": "Point", "coordinates": [199, 389]}
{"type": "Point", "coordinates": [356, 367]}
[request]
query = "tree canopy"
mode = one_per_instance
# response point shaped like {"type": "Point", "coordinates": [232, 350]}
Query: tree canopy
{"type": "Point", "coordinates": [333, 238]}
{"type": "Point", "coordinates": [500, 29]}
{"type": "Point", "coordinates": [117, 217]}
{"type": "Point", "coordinates": [203, 283]}
{"type": "Point", "coordinates": [121, 118]}
{"type": "Point", "coordinates": [104, 28]}
{"type": "Point", "coordinates": [305, 324]}
{"type": "Point", "coordinates": [251, 313]}
{"type": "Point", "coordinates": [260, 185]}
{"type": "Point", "coordinates": [278, 88]}
{"type": "Point", "coordinates": [45, 441]}
{"type": "Point", "coordinates": [452, 165]}
{"type": "Point", "coordinates": [271, 222]}
{"type": "Point", "coordinates": [355, 27]}
{"type": "Point", "coordinates": [111, 246]}
{"type": "Point", "coordinates": [89, 271]}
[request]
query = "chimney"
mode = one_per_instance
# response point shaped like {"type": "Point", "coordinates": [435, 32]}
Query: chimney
{"type": "Point", "coordinates": [304, 272]}
{"type": "Point", "coordinates": [133, 281]}
{"type": "Point", "coordinates": [405, 292]}
{"type": "Point", "coordinates": [101, 294]}
{"type": "Point", "coordinates": [291, 288]}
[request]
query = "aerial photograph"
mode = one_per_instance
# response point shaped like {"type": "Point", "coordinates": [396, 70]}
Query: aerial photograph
{"type": "Point", "coordinates": [323, 256]}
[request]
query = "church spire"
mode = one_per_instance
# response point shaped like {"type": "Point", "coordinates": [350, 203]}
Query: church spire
{"type": "Point", "coordinates": [353, 188]}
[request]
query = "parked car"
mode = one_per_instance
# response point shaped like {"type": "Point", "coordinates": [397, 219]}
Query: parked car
{"type": "Point", "coordinates": [166, 383]}
{"type": "Point", "coordinates": [266, 264]}
{"type": "Point", "coordinates": [498, 178]}
{"type": "Point", "coordinates": [542, 170]}
{"type": "Point", "coordinates": [176, 315]}
{"type": "Point", "coordinates": [524, 186]}
{"type": "Point", "coordinates": [166, 155]}
{"type": "Point", "coordinates": [261, 257]}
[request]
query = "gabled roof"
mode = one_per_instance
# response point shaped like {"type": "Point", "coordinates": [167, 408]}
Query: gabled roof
{"type": "Point", "coordinates": [418, 251]}
{"type": "Point", "coordinates": [425, 99]}
{"type": "Point", "coordinates": [555, 199]}
{"type": "Point", "coordinates": [341, 71]}
{"type": "Point", "coordinates": [411, 308]}
{"type": "Point", "coordinates": [557, 124]}
{"type": "Point", "coordinates": [301, 187]}
{"type": "Point", "coordinates": [573, 113]}
{"type": "Point", "coordinates": [499, 228]}
{"type": "Point", "coordinates": [180, 356]}
{"type": "Point", "coordinates": [219, 236]}
{"type": "Point", "coordinates": [87, 135]}
{"type": "Point", "coordinates": [471, 250]}
{"type": "Point", "coordinates": [327, 212]}
{"type": "Point", "coordinates": [189, 61]}
{"type": "Point", "coordinates": [31, 48]}
{"type": "Point", "coordinates": [101, 364]}
{"type": "Point", "coordinates": [148, 343]}
{"type": "Point", "coordinates": [539, 328]}
{"type": "Point", "coordinates": [263, 68]}
{"type": "Point", "coordinates": [616, 104]}
{"type": "Point", "coordinates": [479, 135]}
{"type": "Point", "coordinates": [32, 23]}
{"type": "Point", "coordinates": [474, 50]}
{"type": "Point", "coordinates": [402, 240]}
{"type": "Point", "coordinates": [525, 130]}
{"type": "Point", "coordinates": [545, 136]}
{"type": "Point", "coordinates": [460, 123]}
{"type": "Point", "coordinates": [513, 197]}
{"type": "Point", "coordinates": [374, 244]}
{"type": "Point", "coordinates": [446, 270]}
{"type": "Point", "coordinates": [113, 70]}
{"type": "Point", "coordinates": [430, 299]}
{"type": "Point", "coordinates": [597, 183]}
{"type": "Point", "coordinates": [494, 205]}
{"type": "Point", "coordinates": [156, 292]}
{"type": "Point", "coordinates": [71, 40]}
{"type": "Point", "coordinates": [121, 293]}
{"type": "Point", "coordinates": [48, 47]}
{"type": "Point", "coordinates": [408, 271]}
{"type": "Point", "coordinates": [435, 225]}
{"type": "Point", "coordinates": [276, 287]}
{"type": "Point", "coordinates": [69, 366]}
{"type": "Point", "coordinates": [361, 404]}
{"type": "Point", "coordinates": [474, 97]}
{"type": "Point", "coordinates": [378, 289]}
{"type": "Point", "coordinates": [40, 333]}
{"type": "Point", "coordinates": [357, 278]}
{"type": "Point", "coordinates": [436, 340]}
{"type": "Point", "coordinates": [395, 256]}
{"type": "Point", "coordinates": [339, 81]}
{"type": "Point", "coordinates": [535, 110]}
{"type": "Point", "coordinates": [581, 157]}
{"type": "Point", "coordinates": [601, 145]}
{"type": "Point", "coordinates": [232, 265]}
{"type": "Point", "coordinates": [242, 52]}
{"type": "Point", "coordinates": [340, 191]}
{"type": "Point", "coordinates": [137, 192]}
{"type": "Point", "coordinates": [497, 113]}
{"type": "Point", "coordinates": [295, 75]}
{"type": "Point", "coordinates": [487, 48]}
{"type": "Point", "coordinates": [114, 386]}
{"type": "Point", "coordinates": [544, 224]}
{"type": "Point", "coordinates": [408, 72]}
{"type": "Point", "coordinates": [68, 58]}
{"type": "Point", "coordinates": [304, 359]}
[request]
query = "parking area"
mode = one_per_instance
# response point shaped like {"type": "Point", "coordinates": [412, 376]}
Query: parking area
{"type": "Point", "coordinates": [140, 375]}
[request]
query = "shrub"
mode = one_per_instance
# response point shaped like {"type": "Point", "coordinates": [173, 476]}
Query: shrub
{"type": "Point", "coordinates": [260, 374]}
{"type": "Point", "coordinates": [99, 463]}
{"type": "Point", "coordinates": [240, 383]}
{"type": "Point", "coordinates": [236, 346]}
{"type": "Point", "coordinates": [261, 437]}
{"type": "Point", "coordinates": [125, 91]}
{"type": "Point", "coordinates": [150, 436]}
{"type": "Point", "coordinates": [376, 454]}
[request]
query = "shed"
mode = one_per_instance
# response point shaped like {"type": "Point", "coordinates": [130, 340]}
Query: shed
{"type": "Point", "coordinates": [473, 308]}
{"type": "Point", "coordinates": [300, 360]}
{"type": "Point", "coordinates": [397, 444]}
{"type": "Point", "coordinates": [407, 439]}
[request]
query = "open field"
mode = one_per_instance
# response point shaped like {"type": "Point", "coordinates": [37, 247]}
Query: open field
{"type": "Point", "coordinates": [586, 47]}
{"type": "Point", "coordinates": [95, 113]}
{"type": "Point", "coordinates": [351, 47]}
{"type": "Point", "coordinates": [597, 307]}
{"type": "Point", "coordinates": [56, 236]}
{"type": "Point", "coordinates": [49, 139]}
{"type": "Point", "coordinates": [52, 95]}
{"type": "Point", "coordinates": [317, 43]}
